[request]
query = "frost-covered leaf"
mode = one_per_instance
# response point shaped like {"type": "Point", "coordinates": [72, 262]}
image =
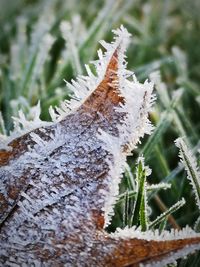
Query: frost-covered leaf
{"type": "Point", "coordinates": [59, 181]}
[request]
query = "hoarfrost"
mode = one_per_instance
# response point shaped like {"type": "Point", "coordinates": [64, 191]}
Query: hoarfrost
{"type": "Point", "coordinates": [155, 235]}
{"type": "Point", "coordinates": [61, 183]}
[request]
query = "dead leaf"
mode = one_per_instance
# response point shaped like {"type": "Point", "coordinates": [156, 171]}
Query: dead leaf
{"type": "Point", "coordinates": [59, 182]}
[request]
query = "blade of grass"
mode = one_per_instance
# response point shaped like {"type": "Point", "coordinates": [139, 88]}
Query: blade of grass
{"type": "Point", "coordinates": [165, 214]}
{"type": "Point", "coordinates": [139, 211]}
{"type": "Point", "coordinates": [190, 165]}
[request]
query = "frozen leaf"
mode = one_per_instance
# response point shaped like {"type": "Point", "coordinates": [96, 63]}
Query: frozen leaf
{"type": "Point", "coordinates": [59, 181]}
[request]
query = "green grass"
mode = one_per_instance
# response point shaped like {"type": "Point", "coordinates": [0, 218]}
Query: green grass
{"type": "Point", "coordinates": [36, 57]}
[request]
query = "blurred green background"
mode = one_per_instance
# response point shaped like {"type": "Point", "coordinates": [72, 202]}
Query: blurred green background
{"type": "Point", "coordinates": [44, 42]}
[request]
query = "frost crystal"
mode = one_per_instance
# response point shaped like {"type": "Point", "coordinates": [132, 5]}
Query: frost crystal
{"type": "Point", "coordinates": [22, 126]}
{"type": "Point", "coordinates": [134, 232]}
{"type": "Point", "coordinates": [173, 256]}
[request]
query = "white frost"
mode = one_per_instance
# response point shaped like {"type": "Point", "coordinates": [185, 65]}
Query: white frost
{"type": "Point", "coordinates": [22, 126]}
{"type": "Point", "coordinates": [149, 235]}
{"type": "Point", "coordinates": [173, 256]}
{"type": "Point", "coordinates": [138, 100]}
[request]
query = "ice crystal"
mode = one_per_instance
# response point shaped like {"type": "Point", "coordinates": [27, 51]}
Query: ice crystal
{"type": "Point", "coordinates": [173, 256]}
{"type": "Point", "coordinates": [22, 125]}
{"type": "Point", "coordinates": [135, 232]}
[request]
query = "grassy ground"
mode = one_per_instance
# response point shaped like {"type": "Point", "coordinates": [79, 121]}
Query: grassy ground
{"type": "Point", "coordinates": [37, 53]}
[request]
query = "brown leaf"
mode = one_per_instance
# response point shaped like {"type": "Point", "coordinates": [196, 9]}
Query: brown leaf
{"type": "Point", "coordinates": [59, 182]}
